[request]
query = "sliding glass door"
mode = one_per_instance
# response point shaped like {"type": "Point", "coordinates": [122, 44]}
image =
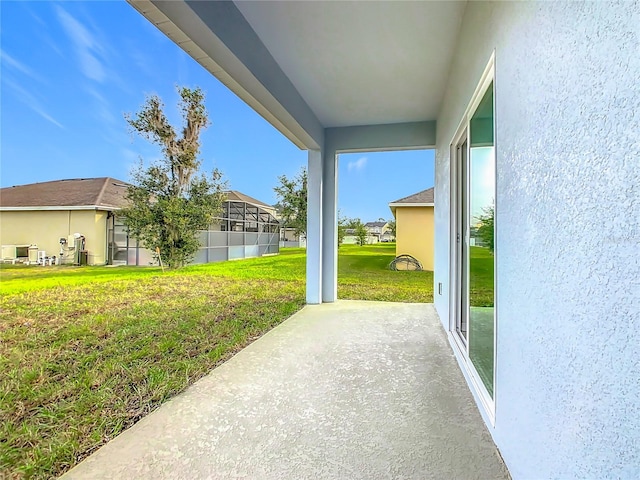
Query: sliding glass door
{"type": "Point", "coordinates": [474, 187]}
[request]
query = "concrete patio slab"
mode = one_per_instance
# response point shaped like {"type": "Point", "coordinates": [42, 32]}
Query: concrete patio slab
{"type": "Point", "coordinates": [349, 390]}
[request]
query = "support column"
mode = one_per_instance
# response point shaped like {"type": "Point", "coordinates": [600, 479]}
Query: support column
{"type": "Point", "coordinates": [314, 227]}
{"type": "Point", "coordinates": [330, 226]}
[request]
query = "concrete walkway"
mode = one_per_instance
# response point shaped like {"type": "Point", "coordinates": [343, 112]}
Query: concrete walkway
{"type": "Point", "coordinates": [348, 390]}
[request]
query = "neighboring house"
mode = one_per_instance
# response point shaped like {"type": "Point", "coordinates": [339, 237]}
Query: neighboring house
{"type": "Point", "coordinates": [289, 238]}
{"type": "Point", "coordinates": [415, 227]}
{"type": "Point", "coordinates": [532, 109]}
{"type": "Point", "coordinates": [350, 237]}
{"type": "Point", "coordinates": [47, 217]}
{"type": "Point", "coordinates": [379, 230]}
{"type": "Point", "coordinates": [247, 228]}
{"type": "Point", "coordinates": [388, 236]}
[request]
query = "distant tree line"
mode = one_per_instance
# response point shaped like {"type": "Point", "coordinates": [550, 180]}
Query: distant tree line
{"type": "Point", "coordinates": [292, 207]}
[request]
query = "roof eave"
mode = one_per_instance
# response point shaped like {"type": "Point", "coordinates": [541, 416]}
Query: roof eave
{"type": "Point", "coordinates": [59, 207]}
{"type": "Point", "coordinates": [214, 34]}
{"type": "Point", "coordinates": [392, 205]}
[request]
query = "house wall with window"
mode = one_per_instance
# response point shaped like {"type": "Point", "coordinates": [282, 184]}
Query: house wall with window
{"type": "Point", "coordinates": [45, 228]}
{"type": "Point", "coordinates": [567, 99]}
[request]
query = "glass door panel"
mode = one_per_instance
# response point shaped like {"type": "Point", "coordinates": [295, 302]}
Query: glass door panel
{"type": "Point", "coordinates": [478, 257]}
{"type": "Point", "coordinates": [461, 251]}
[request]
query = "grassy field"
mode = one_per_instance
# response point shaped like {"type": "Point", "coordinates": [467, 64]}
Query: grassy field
{"type": "Point", "coordinates": [481, 299]}
{"type": "Point", "coordinates": [86, 352]}
{"type": "Point", "coordinates": [363, 275]}
{"type": "Point", "coordinates": [481, 278]}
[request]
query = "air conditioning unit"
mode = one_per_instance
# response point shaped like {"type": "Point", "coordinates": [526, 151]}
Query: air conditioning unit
{"type": "Point", "coordinates": [33, 254]}
{"type": "Point", "coordinates": [8, 252]}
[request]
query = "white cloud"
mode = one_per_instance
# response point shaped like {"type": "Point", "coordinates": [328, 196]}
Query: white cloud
{"type": "Point", "coordinates": [142, 61]}
{"type": "Point", "coordinates": [131, 160]}
{"type": "Point", "coordinates": [130, 155]}
{"type": "Point", "coordinates": [14, 64]}
{"type": "Point", "coordinates": [102, 109]}
{"type": "Point", "coordinates": [97, 95]}
{"type": "Point", "coordinates": [31, 101]}
{"type": "Point", "coordinates": [46, 116]}
{"type": "Point", "coordinates": [85, 44]}
{"type": "Point", "coordinates": [357, 165]}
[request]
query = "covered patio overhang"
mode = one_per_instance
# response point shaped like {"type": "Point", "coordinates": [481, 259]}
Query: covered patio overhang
{"type": "Point", "coordinates": [360, 76]}
{"type": "Point", "coordinates": [333, 77]}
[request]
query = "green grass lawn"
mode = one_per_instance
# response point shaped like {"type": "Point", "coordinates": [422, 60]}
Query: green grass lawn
{"type": "Point", "coordinates": [481, 278]}
{"type": "Point", "coordinates": [363, 275]}
{"type": "Point", "coordinates": [481, 311]}
{"type": "Point", "coordinates": [85, 352]}
{"type": "Point", "coordinates": [481, 344]}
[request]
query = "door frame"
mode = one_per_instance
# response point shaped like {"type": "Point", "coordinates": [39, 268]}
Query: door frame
{"type": "Point", "coordinates": [456, 243]}
{"type": "Point", "coordinates": [461, 347]}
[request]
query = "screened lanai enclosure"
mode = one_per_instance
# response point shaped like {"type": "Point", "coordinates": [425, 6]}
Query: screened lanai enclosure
{"type": "Point", "coordinates": [247, 228]}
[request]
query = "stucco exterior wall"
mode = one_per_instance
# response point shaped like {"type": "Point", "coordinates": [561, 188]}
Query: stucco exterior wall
{"type": "Point", "coordinates": [567, 229]}
{"type": "Point", "coordinates": [414, 234]}
{"type": "Point", "coordinates": [45, 228]}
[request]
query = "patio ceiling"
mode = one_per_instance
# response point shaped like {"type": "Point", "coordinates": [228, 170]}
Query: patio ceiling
{"type": "Point", "coordinates": [307, 66]}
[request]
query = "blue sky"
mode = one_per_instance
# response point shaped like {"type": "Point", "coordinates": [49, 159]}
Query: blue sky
{"type": "Point", "coordinates": [71, 70]}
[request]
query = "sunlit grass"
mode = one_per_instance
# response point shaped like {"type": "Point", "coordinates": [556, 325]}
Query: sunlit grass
{"type": "Point", "coordinates": [363, 274]}
{"type": "Point", "coordinates": [85, 352]}
{"type": "Point", "coordinates": [82, 363]}
{"type": "Point", "coordinates": [481, 278]}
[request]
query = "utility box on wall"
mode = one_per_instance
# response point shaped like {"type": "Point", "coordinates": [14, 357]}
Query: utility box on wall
{"type": "Point", "coordinates": [8, 251]}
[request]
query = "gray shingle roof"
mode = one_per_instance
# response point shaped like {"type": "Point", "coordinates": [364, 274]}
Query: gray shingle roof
{"type": "Point", "coordinates": [425, 196]}
{"type": "Point", "coordinates": [236, 196]}
{"type": "Point", "coordinates": [103, 192]}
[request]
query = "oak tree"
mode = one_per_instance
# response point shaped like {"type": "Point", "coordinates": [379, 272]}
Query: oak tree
{"type": "Point", "coordinates": [171, 200]}
{"type": "Point", "coordinates": [292, 201]}
{"type": "Point", "coordinates": [359, 231]}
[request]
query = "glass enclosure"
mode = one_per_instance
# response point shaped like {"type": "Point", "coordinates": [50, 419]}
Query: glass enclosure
{"type": "Point", "coordinates": [244, 230]}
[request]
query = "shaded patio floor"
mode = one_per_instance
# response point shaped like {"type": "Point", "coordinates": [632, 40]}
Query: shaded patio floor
{"type": "Point", "coordinates": [339, 391]}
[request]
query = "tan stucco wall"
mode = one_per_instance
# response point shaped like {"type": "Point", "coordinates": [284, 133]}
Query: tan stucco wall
{"type": "Point", "coordinates": [414, 234]}
{"type": "Point", "coordinates": [45, 228]}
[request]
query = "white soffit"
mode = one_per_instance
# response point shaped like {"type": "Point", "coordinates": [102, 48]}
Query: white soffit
{"type": "Point", "coordinates": [310, 66]}
{"type": "Point", "coordinates": [182, 25]}
{"type": "Point", "coordinates": [362, 63]}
